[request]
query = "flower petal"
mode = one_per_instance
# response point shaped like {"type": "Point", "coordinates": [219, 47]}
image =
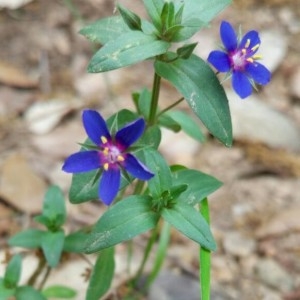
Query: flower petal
{"type": "Point", "coordinates": [259, 73]}
{"type": "Point", "coordinates": [253, 38]}
{"type": "Point", "coordinates": [130, 133]}
{"type": "Point", "coordinates": [241, 84]}
{"type": "Point", "coordinates": [219, 60]}
{"type": "Point", "coordinates": [228, 36]}
{"type": "Point", "coordinates": [137, 168]}
{"type": "Point", "coordinates": [109, 185]}
{"type": "Point", "coordinates": [82, 162]}
{"type": "Point", "coordinates": [95, 126]}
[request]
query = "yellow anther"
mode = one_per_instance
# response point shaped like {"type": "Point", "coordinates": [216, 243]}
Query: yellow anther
{"type": "Point", "coordinates": [257, 56]}
{"type": "Point", "coordinates": [105, 151]}
{"type": "Point", "coordinates": [247, 43]}
{"type": "Point", "coordinates": [250, 59]}
{"type": "Point", "coordinates": [255, 47]}
{"type": "Point", "coordinates": [120, 158]}
{"type": "Point", "coordinates": [105, 166]}
{"type": "Point", "coordinates": [244, 51]}
{"type": "Point", "coordinates": [103, 139]}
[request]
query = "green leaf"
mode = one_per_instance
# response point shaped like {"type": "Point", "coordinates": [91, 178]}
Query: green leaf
{"type": "Point", "coordinates": [52, 245]}
{"type": "Point", "coordinates": [5, 293]}
{"type": "Point", "coordinates": [167, 15]}
{"type": "Point", "coordinates": [54, 209]}
{"type": "Point", "coordinates": [129, 48]}
{"type": "Point", "coordinates": [186, 51]}
{"type": "Point", "coordinates": [189, 222]}
{"type": "Point", "coordinates": [105, 30]}
{"type": "Point", "coordinates": [74, 242]}
{"type": "Point", "coordinates": [121, 222]}
{"type": "Point", "coordinates": [13, 272]}
{"type": "Point", "coordinates": [83, 187]}
{"type": "Point", "coordinates": [151, 138]}
{"type": "Point", "coordinates": [204, 10]}
{"type": "Point", "coordinates": [59, 291]}
{"type": "Point", "coordinates": [154, 9]}
{"type": "Point", "coordinates": [200, 185]}
{"type": "Point", "coordinates": [132, 20]}
{"type": "Point", "coordinates": [28, 292]}
{"type": "Point", "coordinates": [188, 124]}
{"type": "Point", "coordinates": [168, 122]}
{"type": "Point", "coordinates": [30, 238]}
{"type": "Point", "coordinates": [196, 81]}
{"type": "Point", "coordinates": [142, 101]}
{"type": "Point", "coordinates": [102, 275]}
{"type": "Point", "coordinates": [162, 180]}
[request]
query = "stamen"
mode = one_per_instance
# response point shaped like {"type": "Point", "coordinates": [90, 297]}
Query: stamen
{"type": "Point", "coordinates": [255, 47]}
{"type": "Point", "coordinates": [247, 43]}
{"type": "Point", "coordinates": [105, 151]}
{"type": "Point", "coordinates": [105, 166]}
{"type": "Point", "coordinates": [120, 158]}
{"type": "Point", "coordinates": [244, 51]}
{"type": "Point", "coordinates": [103, 139]}
{"type": "Point", "coordinates": [250, 59]}
{"type": "Point", "coordinates": [257, 56]}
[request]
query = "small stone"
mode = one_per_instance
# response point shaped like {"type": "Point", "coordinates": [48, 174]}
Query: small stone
{"type": "Point", "coordinates": [273, 48]}
{"type": "Point", "coordinates": [273, 275]}
{"type": "Point", "coordinates": [294, 83]}
{"type": "Point", "coordinates": [255, 121]}
{"type": "Point", "coordinates": [238, 245]}
{"type": "Point", "coordinates": [20, 186]}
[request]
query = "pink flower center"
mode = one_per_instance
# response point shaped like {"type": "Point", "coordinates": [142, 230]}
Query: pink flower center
{"type": "Point", "coordinates": [241, 57]}
{"type": "Point", "coordinates": [110, 154]}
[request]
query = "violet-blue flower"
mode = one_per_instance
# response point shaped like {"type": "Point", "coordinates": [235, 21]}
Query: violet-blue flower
{"type": "Point", "coordinates": [240, 59]}
{"type": "Point", "coordinates": [110, 154]}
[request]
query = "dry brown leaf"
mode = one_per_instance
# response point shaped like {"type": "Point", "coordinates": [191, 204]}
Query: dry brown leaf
{"type": "Point", "coordinates": [13, 76]}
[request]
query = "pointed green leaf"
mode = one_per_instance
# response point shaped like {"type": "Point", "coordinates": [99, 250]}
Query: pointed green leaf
{"type": "Point", "coordinates": [196, 81]}
{"type": "Point", "coordinates": [30, 238]}
{"type": "Point", "coordinates": [154, 9]}
{"type": "Point", "coordinates": [168, 122]}
{"type": "Point", "coordinates": [105, 30]}
{"type": "Point", "coordinates": [122, 222]}
{"type": "Point", "coordinates": [13, 272]}
{"type": "Point", "coordinates": [162, 180]}
{"type": "Point", "coordinates": [28, 292]}
{"type": "Point", "coordinates": [5, 293]}
{"type": "Point", "coordinates": [59, 291]}
{"type": "Point", "coordinates": [188, 124]}
{"type": "Point", "coordinates": [189, 222]}
{"type": "Point", "coordinates": [74, 242]}
{"type": "Point", "coordinates": [54, 209]}
{"type": "Point", "coordinates": [102, 274]}
{"type": "Point", "coordinates": [200, 185]}
{"type": "Point", "coordinates": [52, 245]}
{"type": "Point", "coordinates": [186, 50]}
{"type": "Point", "coordinates": [127, 49]}
{"type": "Point", "coordinates": [132, 20]}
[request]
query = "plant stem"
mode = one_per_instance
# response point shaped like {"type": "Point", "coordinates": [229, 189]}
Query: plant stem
{"type": "Point", "coordinates": [205, 258]}
{"type": "Point", "coordinates": [154, 98]}
{"type": "Point", "coordinates": [42, 263]}
{"type": "Point", "coordinates": [139, 187]}
{"type": "Point", "coordinates": [41, 285]}
{"type": "Point", "coordinates": [146, 254]}
{"type": "Point", "coordinates": [170, 106]}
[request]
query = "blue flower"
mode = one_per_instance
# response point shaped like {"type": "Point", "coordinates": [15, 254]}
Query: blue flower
{"type": "Point", "coordinates": [240, 59]}
{"type": "Point", "coordinates": [110, 154]}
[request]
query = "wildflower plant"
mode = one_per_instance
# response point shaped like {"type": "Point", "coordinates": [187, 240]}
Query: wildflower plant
{"type": "Point", "coordinates": [120, 164]}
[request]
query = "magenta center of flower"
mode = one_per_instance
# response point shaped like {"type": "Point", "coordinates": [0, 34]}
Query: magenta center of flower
{"type": "Point", "coordinates": [241, 57]}
{"type": "Point", "coordinates": [111, 155]}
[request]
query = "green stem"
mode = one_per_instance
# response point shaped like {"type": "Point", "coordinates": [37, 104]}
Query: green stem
{"type": "Point", "coordinates": [48, 270]}
{"type": "Point", "coordinates": [205, 258]}
{"type": "Point", "coordinates": [170, 107]}
{"type": "Point", "coordinates": [161, 254]}
{"type": "Point", "coordinates": [149, 246]}
{"type": "Point", "coordinates": [154, 99]}
{"type": "Point", "coordinates": [139, 187]}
